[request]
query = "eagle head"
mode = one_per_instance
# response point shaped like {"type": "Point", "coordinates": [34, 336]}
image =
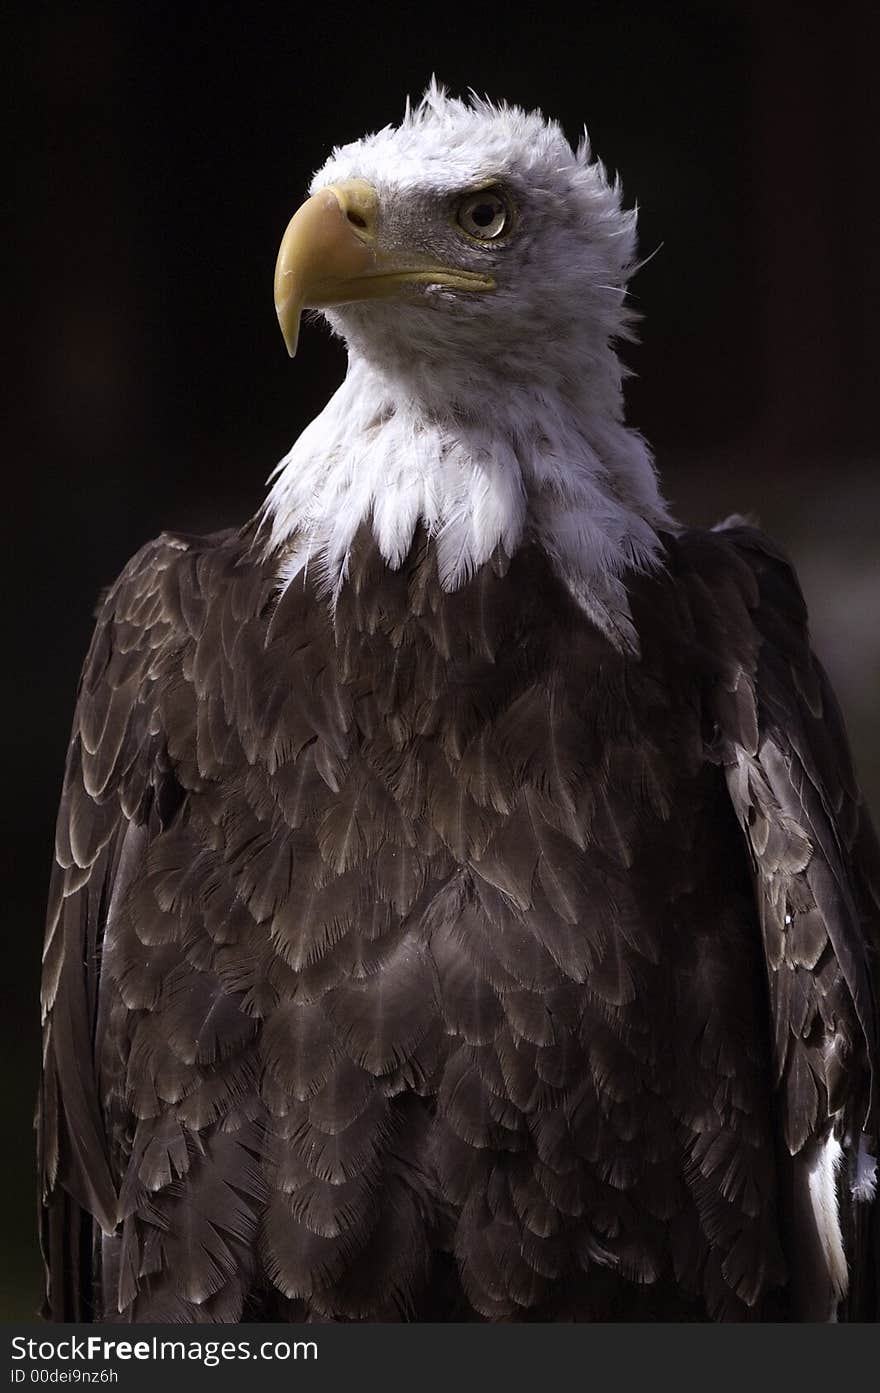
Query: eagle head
{"type": "Point", "coordinates": [469, 239]}
{"type": "Point", "coordinates": [476, 266]}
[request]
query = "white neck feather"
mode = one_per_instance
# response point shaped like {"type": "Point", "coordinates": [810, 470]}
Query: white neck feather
{"type": "Point", "coordinates": [532, 465]}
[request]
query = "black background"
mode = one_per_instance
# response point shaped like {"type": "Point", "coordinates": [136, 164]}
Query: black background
{"type": "Point", "coordinates": [159, 152]}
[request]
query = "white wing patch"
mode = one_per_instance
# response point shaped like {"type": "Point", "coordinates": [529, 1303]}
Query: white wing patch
{"type": "Point", "coordinates": [822, 1185]}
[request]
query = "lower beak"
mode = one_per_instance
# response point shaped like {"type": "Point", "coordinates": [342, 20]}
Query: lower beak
{"type": "Point", "coordinates": [330, 255]}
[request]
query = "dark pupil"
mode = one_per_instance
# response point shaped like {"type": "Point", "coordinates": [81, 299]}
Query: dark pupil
{"type": "Point", "coordinates": [484, 214]}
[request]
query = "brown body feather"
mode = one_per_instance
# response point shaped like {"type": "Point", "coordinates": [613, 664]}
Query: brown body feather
{"type": "Point", "coordinates": [436, 960]}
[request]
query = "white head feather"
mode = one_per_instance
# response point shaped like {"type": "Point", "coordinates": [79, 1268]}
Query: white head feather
{"type": "Point", "coordinates": [490, 417]}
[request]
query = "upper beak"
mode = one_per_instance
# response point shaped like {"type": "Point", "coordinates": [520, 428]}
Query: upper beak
{"type": "Point", "coordinates": [330, 255]}
{"type": "Point", "coordinates": [329, 242]}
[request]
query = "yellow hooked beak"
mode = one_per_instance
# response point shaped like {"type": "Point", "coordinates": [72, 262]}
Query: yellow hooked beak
{"type": "Point", "coordinates": [330, 255]}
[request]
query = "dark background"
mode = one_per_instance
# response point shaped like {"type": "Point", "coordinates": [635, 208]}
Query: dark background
{"type": "Point", "coordinates": [160, 152]}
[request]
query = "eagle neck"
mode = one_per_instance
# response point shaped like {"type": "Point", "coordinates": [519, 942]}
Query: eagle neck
{"type": "Point", "coordinates": [481, 471]}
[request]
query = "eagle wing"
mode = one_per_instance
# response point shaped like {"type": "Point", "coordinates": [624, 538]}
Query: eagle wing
{"type": "Point", "coordinates": [118, 791]}
{"type": "Point", "coordinates": [777, 729]}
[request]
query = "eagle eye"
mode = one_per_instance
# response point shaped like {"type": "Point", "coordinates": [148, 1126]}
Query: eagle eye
{"type": "Point", "coordinates": [484, 215]}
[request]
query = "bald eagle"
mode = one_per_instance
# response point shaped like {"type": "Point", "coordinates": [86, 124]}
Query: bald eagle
{"type": "Point", "coordinates": [464, 907]}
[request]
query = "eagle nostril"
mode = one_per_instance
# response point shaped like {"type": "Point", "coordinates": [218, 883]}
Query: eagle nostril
{"type": "Point", "coordinates": [355, 218]}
